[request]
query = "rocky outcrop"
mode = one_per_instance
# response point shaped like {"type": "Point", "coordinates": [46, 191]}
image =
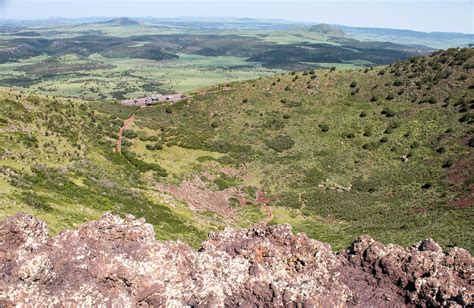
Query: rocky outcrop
{"type": "Point", "coordinates": [117, 262]}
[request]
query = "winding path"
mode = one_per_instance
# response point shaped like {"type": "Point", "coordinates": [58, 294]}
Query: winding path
{"type": "Point", "coordinates": [264, 201]}
{"type": "Point", "coordinates": [270, 216]}
{"type": "Point", "coordinates": [126, 124]}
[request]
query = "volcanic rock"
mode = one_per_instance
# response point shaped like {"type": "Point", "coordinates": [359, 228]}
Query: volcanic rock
{"type": "Point", "coordinates": [117, 262]}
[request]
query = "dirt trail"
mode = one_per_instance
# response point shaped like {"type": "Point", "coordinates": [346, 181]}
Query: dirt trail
{"type": "Point", "coordinates": [270, 216]}
{"type": "Point", "coordinates": [126, 124]}
{"type": "Point", "coordinates": [264, 200]}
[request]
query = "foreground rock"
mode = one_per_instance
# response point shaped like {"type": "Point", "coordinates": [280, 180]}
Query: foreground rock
{"type": "Point", "coordinates": [118, 262]}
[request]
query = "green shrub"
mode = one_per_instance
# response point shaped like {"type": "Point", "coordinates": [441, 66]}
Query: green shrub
{"type": "Point", "coordinates": [280, 143]}
{"type": "Point", "coordinates": [388, 112]}
{"type": "Point", "coordinates": [432, 100]}
{"type": "Point", "coordinates": [226, 160]}
{"type": "Point", "coordinates": [203, 159]}
{"type": "Point", "coordinates": [35, 201]}
{"type": "Point", "coordinates": [467, 118]}
{"type": "Point", "coordinates": [144, 166]}
{"type": "Point", "coordinates": [369, 146]}
{"type": "Point", "coordinates": [313, 177]}
{"type": "Point", "coordinates": [363, 185]}
{"type": "Point", "coordinates": [324, 127]}
{"type": "Point", "coordinates": [153, 138]}
{"type": "Point", "coordinates": [289, 200]}
{"type": "Point", "coordinates": [154, 147]}
{"type": "Point", "coordinates": [215, 124]}
{"type": "Point", "coordinates": [447, 164]}
{"type": "Point", "coordinates": [350, 135]}
{"type": "Point", "coordinates": [427, 186]}
{"type": "Point", "coordinates": [129, 134]}
{"type": "Point", "coordinates": [293, 104]}
{"type": "Point", "coordinates": [392, 127]}
{"type": "Point", "coordinates": [224, 181]}
{"type": "Point", "coordinates": [397, 83]}
{"type": "Point", "coordinates": [353, 84]}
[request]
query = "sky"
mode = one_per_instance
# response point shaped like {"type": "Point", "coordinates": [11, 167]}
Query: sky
{"type": "Point", "coordinates": [420, 15]}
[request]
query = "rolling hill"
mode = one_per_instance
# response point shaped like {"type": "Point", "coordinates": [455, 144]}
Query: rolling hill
{"type": "Point", "coordinates": [385, 151]}
{"type": "Point", "coordinates": [121, 22]}
{"type": "Point", "coordinates": [327, 30]}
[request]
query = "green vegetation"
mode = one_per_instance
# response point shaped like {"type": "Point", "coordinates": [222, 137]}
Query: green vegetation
{"type": "Point", "coordinates": [118, 60]}
{"type": "Point", "coordinates": [280, 143]}
{"type": "Point", "coordinates": [333, 162]}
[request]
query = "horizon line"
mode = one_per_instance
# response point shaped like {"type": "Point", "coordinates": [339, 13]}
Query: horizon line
{"type": "Point", "coordinates": [205, 18]}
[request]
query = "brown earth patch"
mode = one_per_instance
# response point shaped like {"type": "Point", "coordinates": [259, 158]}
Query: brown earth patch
{"type": "Point", "coordinates": [458, 176]}
{"type": "Point", "coordinates": [463, 203]}
{"type": "Point", "coordinates": [126, 125]}
{"type": "Point", "coordinates": [420, 209]}
{"type": "Point", "coordinates": [199, 197]}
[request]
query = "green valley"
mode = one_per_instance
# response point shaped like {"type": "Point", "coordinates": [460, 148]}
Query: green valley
{"type": "Point", "coordinates": [384, 150]}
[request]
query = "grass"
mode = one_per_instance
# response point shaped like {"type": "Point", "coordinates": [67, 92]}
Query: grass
{"type": "Point", "coordinates": [187, 73]}
{"type": "Point", "coordinates": [116, 61]}
{"type": "Point", "coordinates": [317, 228]}
{"type": "Point", "coordinates": [299, 138]}
{"type": "Point", "coordinates": [176, 160]}
{"type": "Point", "coordinates": [366, 189]}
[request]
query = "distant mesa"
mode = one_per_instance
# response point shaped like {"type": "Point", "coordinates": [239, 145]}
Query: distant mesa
{"type": "Point", "coordinates": [327, 30]}
{"type": "Point", "coordinates": [27, 33]}
{"type": "Point", "coordinates": [123, 21]}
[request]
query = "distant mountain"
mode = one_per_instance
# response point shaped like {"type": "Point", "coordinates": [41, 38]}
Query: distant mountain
{"type": "Point", "coordinates": [123, 21]}
{"type": "Point", "coordinates": [327, 30]}
{"type": "Point", "coordinates": [439, 40]}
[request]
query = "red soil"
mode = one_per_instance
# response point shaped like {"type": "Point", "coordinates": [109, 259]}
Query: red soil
{"type": "Point", "coordinates": [458, 174]}
{"type": "Point", "coordinates": [126, 125]}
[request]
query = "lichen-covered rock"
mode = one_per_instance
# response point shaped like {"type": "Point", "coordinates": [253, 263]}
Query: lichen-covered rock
{"type": "Point", "coordinates": [423, 275]}
{"type": "Point", "coordinates": [118, 262]}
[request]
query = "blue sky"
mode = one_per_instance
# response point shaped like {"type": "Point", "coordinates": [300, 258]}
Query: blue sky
{"type": "Point", "coordinates": [422, 15]}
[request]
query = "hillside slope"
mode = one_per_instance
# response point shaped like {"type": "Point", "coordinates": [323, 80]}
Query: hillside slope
{"type": "Point", "coordinates": [384, 151]}
{"type": "Point", "coordinates": [57, 162]}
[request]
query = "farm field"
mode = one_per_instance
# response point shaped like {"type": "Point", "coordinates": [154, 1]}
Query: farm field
{"type": "Point", "coordinates": [124, 58]}
{"type": "Point", "coordinates": [127, 78]}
